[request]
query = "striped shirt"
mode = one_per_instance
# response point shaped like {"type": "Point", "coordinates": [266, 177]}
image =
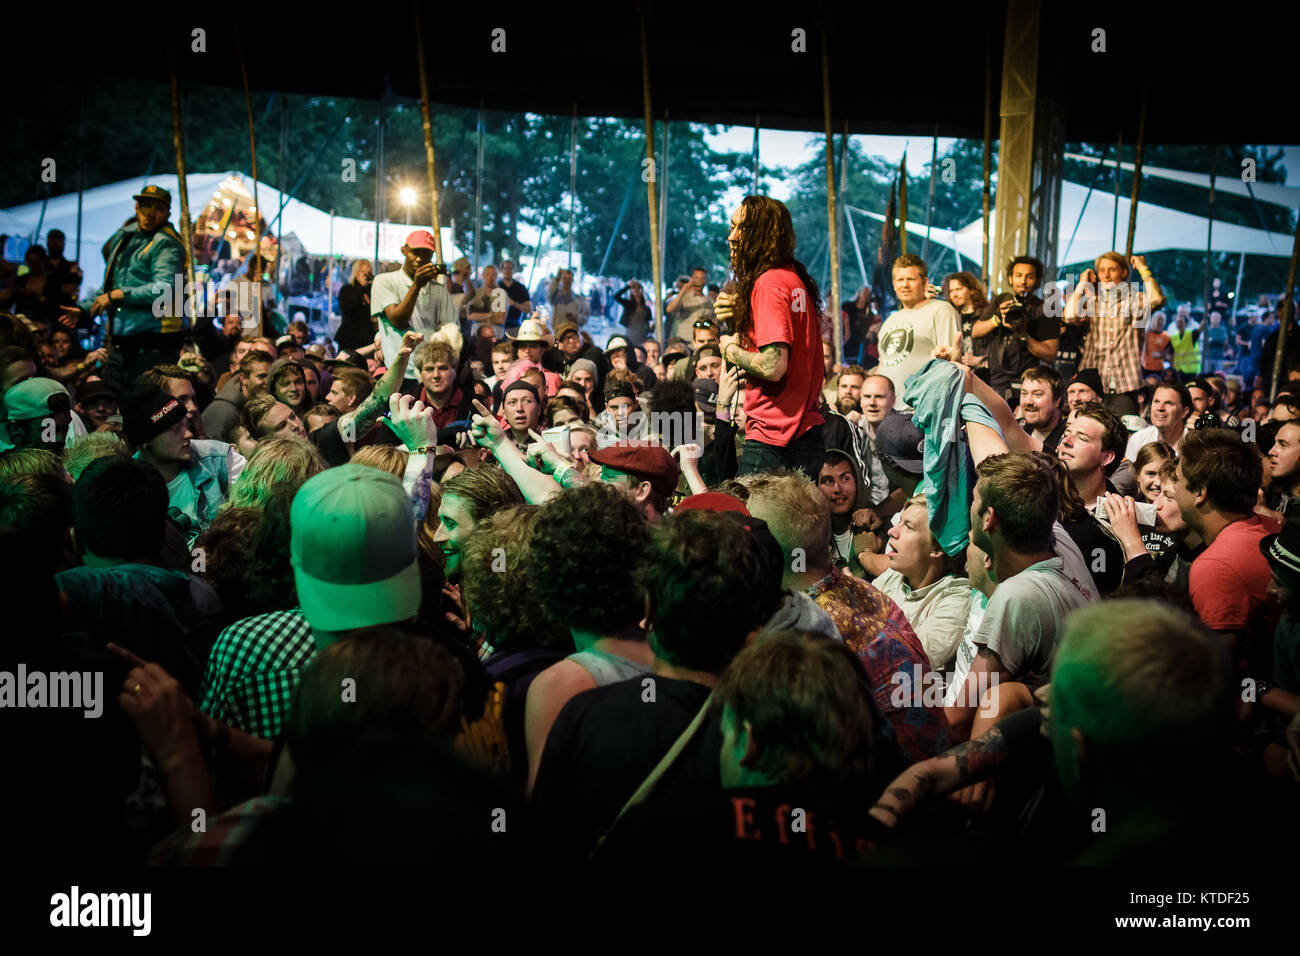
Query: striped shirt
{"type": "Point", "coordinates": [253, 670]}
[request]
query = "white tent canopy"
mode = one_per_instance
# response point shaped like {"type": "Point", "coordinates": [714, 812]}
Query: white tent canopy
{"type": "Point", "coordinates": [1158, 228]}
{"type": "Point", "coordinates": [1230, 182]}
{"type": "Point", "coordinates": [106, 208]}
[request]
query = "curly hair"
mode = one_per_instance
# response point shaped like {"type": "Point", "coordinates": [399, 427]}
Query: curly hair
{"type": "Point", "coordinates": [501, 601]}
{"type": "Point", "coordinates": [281, 461]}
{"type": "Point", "coordinates": [712, 578]}
{"type": "Point", "coordinates": [972, 285]}
{"type": "Point", "coordinates": [587, 544]}
{"type": "Point", "coordinates": [562, 403]}
{"type": "Point", "coordinates": [767, 241]}
{"type": "Point", "coordinates": [227, 548]}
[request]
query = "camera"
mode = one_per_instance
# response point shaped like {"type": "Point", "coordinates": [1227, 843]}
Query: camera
{"type": "Point", "coordinates": [1017, 318]}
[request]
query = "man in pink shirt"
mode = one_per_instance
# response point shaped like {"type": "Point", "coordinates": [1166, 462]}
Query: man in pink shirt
{"type": "Point", "coordinates": [1218, 483]}
{"type": "Point", "coordinates": [775, 317]}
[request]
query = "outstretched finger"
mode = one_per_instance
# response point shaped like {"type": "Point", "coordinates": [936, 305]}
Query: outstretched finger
{"type": "Point", "coordinates": [130, 657]}
{"type": "Point", "coordinates": [481, 409]}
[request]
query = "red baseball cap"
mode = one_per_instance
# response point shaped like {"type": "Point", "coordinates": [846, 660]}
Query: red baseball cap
{"type": "Point", "coordinates": [421, 239]}
{"type": "Point", "coordinates": [713, 501]}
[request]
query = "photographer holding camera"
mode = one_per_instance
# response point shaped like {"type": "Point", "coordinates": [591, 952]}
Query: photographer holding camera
{"type": "Point", "coordinates": [1018, 335]}
{"type": "Point", "coordinates": [413, 298]}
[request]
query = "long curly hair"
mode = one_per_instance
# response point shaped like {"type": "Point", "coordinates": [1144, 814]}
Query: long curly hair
{"type": "Point", "coordinates": [766, 242]}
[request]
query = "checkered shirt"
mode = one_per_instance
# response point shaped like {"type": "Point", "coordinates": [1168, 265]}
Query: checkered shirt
{"type": "Point", "coordinates": [253, 670]}
{"type": "Point", "coordinates": [1114, 343]}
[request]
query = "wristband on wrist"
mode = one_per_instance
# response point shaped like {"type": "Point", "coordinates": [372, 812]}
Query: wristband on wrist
{"type": "Point", "coordinates": [424, 450]}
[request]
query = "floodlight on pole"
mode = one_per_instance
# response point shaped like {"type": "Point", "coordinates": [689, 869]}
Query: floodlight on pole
{"type": "Point", "coordinates": [407, 196]}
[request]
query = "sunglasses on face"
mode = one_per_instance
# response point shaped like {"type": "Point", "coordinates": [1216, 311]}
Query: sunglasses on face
{"type": "Point", "coordinates": [703, 324]}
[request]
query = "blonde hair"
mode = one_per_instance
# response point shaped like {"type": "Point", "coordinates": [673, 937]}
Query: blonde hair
{"type": "Point", "coordinates": [359, 265]}
{"type": "Point", "coordinates": [388, 458]}
{"type": "Point", "coordinates": [278, 461]}
{"type": "Point", "coordinates": [796, 512]}
{"type": "Point", "coordinates": [82, 451]}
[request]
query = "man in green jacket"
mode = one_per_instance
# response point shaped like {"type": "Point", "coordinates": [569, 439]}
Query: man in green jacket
{"type": "Point", "coordinates": [142, 298]}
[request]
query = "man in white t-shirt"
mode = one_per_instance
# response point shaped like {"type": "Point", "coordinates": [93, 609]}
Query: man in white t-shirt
{"type": "Point", "coordinates": [1041, 577]}
{"type": "Point", "coordinates": [411, 299]}
{"type": "Point", "coordinates": [919, 326]}
{"type": "Point", "coordinates": [1170, 406]}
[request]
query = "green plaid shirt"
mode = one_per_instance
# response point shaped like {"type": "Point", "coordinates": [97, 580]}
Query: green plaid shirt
{"type": "Point", "coordinates": [253, 670]}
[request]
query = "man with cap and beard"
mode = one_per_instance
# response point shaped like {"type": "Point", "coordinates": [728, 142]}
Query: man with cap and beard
{"type": "Point", "coordinates": [39, 413]}
{"type": "Point", "coordinates": [144, 260]}
{"type": "Point", "coordinates": [197, 475]}
{"type": "Point", "coordinates": [413, 299]}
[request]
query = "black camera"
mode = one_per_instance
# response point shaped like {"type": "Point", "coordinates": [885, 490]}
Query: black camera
{"type": "Point", "coordinates": [1017, 318]}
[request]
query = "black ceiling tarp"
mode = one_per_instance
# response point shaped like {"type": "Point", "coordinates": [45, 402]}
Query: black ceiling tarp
{"type": "Point", "coordinates": [900, 68]}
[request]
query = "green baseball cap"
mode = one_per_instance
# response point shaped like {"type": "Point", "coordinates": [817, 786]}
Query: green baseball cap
{"type": "Point", "coordinates": [353, 549]}
{"type": "Point", "coordinates": [155, 192]}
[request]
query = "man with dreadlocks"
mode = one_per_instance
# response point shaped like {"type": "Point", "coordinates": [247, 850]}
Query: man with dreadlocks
{"type": "Point", "coordinates": [775, 317]}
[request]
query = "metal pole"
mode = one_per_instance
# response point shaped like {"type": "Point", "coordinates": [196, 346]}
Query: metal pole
{"type": "Point", "coordinates": [1236, 293]}
{"type": "Point", "coordinates": [857, 248]}
{"type": "Point", "coordinates": [1289, 308]}
{"type": "Point", "coordinates": [81, 183]}
{"type": "Point", "coordinates": [379, 173]}
{"type": "Point", "coordinates": [756, 127]}
{"type": "Point", "coordinates": [929, 213]}
{"type": "Point", "coordinates": [663, 195]}
{"type": "Point", "coordinates": [1137, 176]}
{"type": "Point", "coordinates": [178, 142]}
{"type": "Point", "coordinates": [573, 176]}
{"type": "Point", "coordinates": [478, 188]}
{"type": "Point", "coordinates": [1114, 221]}
{"type": "Point", "coordinates": [902, 205]}
{"type": "Point", "coordinates": [1209, 230]}
{"type": "Point", "coordinates": [837, 322]}
{"type": "Point", "coordinates": [988, 149]}
{"type": "Point", "coordinates": [655, 265]}
{"type": "Point", "coordinates": [428, 137]}
{"type": "Point", "coordinates": [280, 263]}
{"type": "Point", "coordinates": [257, 205]}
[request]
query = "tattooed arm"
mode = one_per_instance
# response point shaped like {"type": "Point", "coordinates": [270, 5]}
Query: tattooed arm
{"type": "Point", "coordinates": [362, 418]}
{"type": "Point", "coordinates": [769, 363]}
{"type": "Point", "coordinates": [951, 770]}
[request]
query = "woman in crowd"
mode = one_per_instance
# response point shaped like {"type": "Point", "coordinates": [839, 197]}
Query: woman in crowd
{"type": "Point", "coordinates": [966, 294]}
{"type": "Point", "coordinates": [637, 317]}
{"type": "Point", "coordinates": [1151, 458]}
{"type": "Point", "coordinates": [358, 327]}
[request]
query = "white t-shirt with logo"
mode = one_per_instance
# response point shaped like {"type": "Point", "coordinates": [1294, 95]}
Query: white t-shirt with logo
{"type": "Point", "coordinates": [908, 337]}
{"type": "Point", "coordinates": [433, 307]}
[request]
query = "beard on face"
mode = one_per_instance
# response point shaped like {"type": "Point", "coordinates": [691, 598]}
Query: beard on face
{"type": "Point", "coordinates": [846, 405]}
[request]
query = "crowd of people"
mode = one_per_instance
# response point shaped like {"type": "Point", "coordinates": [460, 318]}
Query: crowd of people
{"type": "Point", "coordinates": [466, 586]}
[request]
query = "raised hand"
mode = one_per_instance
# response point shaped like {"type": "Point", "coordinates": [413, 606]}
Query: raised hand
{"type": "Point", "coordinates": [163, 714]}
{"type": "Point", "coordinates": [412, 421]}
{"type": "Point", "coordinates": [409, 341]}
{"type": "Point", "coordinates": [485, 428]}
{"type": "Point", "coordinates": [949, 353]}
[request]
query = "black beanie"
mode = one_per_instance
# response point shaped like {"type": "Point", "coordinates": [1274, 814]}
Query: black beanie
{"type": "Point", "coordinates": [518, 384]}
{"type": "Point", "coordinates": [147, 412]}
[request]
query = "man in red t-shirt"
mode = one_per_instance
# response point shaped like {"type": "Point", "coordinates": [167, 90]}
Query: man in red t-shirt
{"type": "Point", "coordinates": [1218, 481]}
{"type": "Point", "coordinates": [775, 315]}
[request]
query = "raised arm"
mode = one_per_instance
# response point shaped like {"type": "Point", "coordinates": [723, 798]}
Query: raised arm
{"type": "Point", "coordinates": [536, 487]}
{"type": "Point", "coordinates": [362, 418]}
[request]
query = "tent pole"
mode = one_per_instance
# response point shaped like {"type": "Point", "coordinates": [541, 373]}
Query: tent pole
{"type": "Point", "coordinates": [379, 172]}
{"type": "Point", "coordinates": [756, 127]}
{"type": "Point", "coordinates": [663, 195]}
{"type": "Point", "coordinates": [1114, 219]}
{"type": "Point", "coordinates": [929, 212]}
{"type": "Point", "coordinates": [81, 182]}
{"type": "Point", "coordinates": [857, 247]}
{"type": "Point", "coordinates": [1236, 293]}
{"type": "Point", "coordinates": [428, 138]}
{"type": "Point", "coordinates": [279, 234]}
{"type": "Point", "coordinates": [1289, 308]}
{"type": "Point", "coordinates": [573, 176]}
{"type": "Point", "coordinates": [1209, 230]}
{"type": "Point", "coordinates": [478, 187]}
{"type": "Point", "coordinates": [252, 149]}
{"type": "Point", "coordinates": [988, 149]}
{"type": "Point", "coordinates": [1137, 176]}
{"type": "Point", "coordinates": [656, 266]}
{"type": "Point", "coordinates": [1082, 209]}
{"type": "Point", "coordinates": [902, 204]}
{"type": "Point", "coordinates": [833, 251]}
{"type": "Point", "coordinates": [178, 142]}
